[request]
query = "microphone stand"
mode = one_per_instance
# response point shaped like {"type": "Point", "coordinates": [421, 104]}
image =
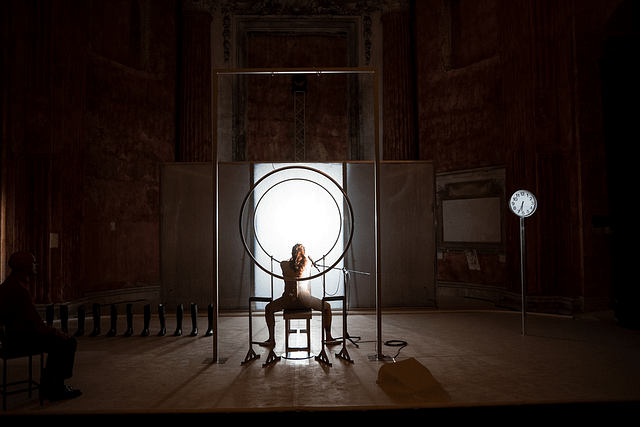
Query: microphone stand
{"type": "Point", "coordinates": [345, 275]}
{"type": "Point", "coordinates": [347, 286]}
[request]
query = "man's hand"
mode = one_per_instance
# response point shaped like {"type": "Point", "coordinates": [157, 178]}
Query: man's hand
{"type": "Point", "coordinates": [61, 334]}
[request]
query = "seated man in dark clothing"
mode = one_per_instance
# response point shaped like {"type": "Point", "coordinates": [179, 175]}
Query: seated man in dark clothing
{"type": "Point", "coordinates": [25, 329]}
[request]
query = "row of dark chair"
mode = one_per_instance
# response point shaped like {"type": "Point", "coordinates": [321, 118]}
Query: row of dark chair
{"type": "Point", "coordinates": [97, 312]}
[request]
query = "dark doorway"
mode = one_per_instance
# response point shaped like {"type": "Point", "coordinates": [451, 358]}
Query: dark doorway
{"type": "Point", "coordinates": [620, 74]}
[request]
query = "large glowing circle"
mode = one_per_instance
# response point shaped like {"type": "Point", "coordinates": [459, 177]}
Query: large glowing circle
{"type": "Point", "coordinates": [299, 213]}
{"type": "Point", "coordinates": [295, 203]}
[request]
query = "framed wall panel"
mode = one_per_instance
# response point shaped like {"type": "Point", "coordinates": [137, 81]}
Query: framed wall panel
{"type": "Point", "coordinates": [470, 211]}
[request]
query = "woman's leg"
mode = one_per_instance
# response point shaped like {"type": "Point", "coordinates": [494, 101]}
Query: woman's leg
{"type": "Point", "coordinates": [326, 318]}
{"type": "Point", "coordinates": [322, 306]}
{"type": "Point", "coordinates": [270, 317]}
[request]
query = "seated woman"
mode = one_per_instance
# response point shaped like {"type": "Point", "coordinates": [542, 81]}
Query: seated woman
{"type": "Point", "coordinates": [296, 296]}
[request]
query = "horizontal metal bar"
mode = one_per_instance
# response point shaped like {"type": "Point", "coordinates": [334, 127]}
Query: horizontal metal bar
{"type": "Point", "coordinates": [264, 71]}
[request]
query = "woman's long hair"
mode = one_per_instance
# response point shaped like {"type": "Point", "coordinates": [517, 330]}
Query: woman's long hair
{"type": "Point", "coordinates": [298, 258]}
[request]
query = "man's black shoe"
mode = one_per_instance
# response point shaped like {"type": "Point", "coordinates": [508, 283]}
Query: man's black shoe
{"type": "Point", "coordinates": [63, 393]}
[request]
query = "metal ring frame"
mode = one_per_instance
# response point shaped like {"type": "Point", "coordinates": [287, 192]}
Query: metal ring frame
{"type": "Point", "coordinates": [246, 198]}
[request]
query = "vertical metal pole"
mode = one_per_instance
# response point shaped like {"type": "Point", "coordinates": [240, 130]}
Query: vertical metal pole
{"type": "Point", "coordinates": [324, 276]}
{"type": "Point", "coordinates": [522, 274]}
{"type": "Point", "coordinates": [377, 221]}
{"type": "Point", "coordinates": [214, 163]}
{"type": "Point", "coordinates": [271, 278]}
{"type": "Point", "coordinates": [324, 294]}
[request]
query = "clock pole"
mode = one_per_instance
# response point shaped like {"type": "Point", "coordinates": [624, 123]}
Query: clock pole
{"type": "Point", "coordinates": [522, 275]}
{"type": "Point", "coordinates": [523, 203]}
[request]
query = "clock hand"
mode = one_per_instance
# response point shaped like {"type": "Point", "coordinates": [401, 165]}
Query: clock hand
{"type": "Point", "coordinates": [522, 205]}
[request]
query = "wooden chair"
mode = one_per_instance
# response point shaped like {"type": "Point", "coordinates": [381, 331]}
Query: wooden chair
{"type": "Point", "coordinates": [31, 385]}
{"type": "Point", "coordinates": [297, 314]}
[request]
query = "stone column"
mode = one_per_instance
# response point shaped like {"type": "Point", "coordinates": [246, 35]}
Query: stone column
{"type": "Point", "coordinates": [194, 115]}
{"type": "Point", "coordinates": [399, 136]}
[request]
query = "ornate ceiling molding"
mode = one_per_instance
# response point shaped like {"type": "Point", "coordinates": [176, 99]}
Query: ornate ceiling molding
{"type": "Point", "coordinates": [208, 6]}
{"type": "Point", "coordinates": [391, 6]}
{"type": "Point", "coordinates": [302, 8]}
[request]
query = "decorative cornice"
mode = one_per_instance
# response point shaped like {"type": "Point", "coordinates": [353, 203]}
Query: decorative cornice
{"type": "Point", "coordinates": [390, 6]}
{"type": "Point", "coordinates": [310, 8]}
{"type": "Point", "coordinates": [208, 6]}
{"type": "Point", "coordinates": [301, 7]}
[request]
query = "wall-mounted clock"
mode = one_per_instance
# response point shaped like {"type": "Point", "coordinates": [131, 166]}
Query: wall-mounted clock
{"type": "Point", "coordinates": [523, 203]}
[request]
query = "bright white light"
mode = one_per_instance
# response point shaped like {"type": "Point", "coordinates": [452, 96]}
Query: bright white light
{"type": "Point", "coordinates": [298, 206]}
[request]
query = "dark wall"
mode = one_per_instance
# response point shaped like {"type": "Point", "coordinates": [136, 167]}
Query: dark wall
{"type": "Point", "coordinates": [518, 84]}
{"type": "Point", "coordinates": [130, 132]}
{"type": "Point", "coordinates": [459, 85]}
{"type": "Point", "coordinates": [44, 68]}
{"type": "Point", "coordinates": [617, 52]}
{"type": "Point", "coordinates": [459, 101]}
{"type": "Point", "coordinates": [90, 90]}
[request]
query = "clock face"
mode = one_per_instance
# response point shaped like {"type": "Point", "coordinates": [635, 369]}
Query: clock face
{"type": "Point", "coordinates": [523, 203]}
